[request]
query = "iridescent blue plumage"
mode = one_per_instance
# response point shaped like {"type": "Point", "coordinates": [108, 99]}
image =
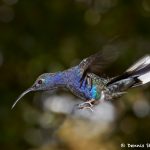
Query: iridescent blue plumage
{"type": "Point", "coordinates": [71, 80]}
{"type": "Point", "coordinates": [85, 91]}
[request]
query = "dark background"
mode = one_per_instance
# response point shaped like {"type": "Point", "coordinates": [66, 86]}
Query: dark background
{"type": "Point", "coordinates": [51, 35]}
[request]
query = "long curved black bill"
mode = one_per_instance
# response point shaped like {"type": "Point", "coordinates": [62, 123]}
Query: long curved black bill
{"type": "Point", "coordinates": [23, 94]}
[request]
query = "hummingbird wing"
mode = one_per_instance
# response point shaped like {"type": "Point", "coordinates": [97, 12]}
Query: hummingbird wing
{"type": "Point", "coordinates": [97, 62]}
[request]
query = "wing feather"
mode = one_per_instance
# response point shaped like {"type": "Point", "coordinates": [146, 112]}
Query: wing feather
{"type": "Point", "coordinates": [97, 62]}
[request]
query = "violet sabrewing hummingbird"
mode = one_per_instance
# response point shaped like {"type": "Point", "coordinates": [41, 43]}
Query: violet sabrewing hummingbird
{"type": "Point", "coordinates": [85, 82]}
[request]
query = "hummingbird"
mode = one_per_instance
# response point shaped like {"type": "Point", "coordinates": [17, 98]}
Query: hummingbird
{"type": "Point", "coordinates": [84, 80]}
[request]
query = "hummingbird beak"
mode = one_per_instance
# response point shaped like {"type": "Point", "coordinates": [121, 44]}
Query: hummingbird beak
{"type": "Point", "coordinates": [23, 94]}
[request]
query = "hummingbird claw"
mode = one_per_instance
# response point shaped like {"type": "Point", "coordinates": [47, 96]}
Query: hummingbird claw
{"type": "Point", "coordinates": [88, 108]}
{"type": "Point", "coordinates": [84, 105]}
{"type": "Point", "coordinates": [87, 102]}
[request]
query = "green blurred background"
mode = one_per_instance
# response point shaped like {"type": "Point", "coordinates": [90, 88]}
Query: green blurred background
{"type": "Point", "coordinates": [46, 36]}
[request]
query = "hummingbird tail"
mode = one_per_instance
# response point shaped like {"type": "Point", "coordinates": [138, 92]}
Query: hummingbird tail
{"type": "Point", "coordinates": [139, 72]}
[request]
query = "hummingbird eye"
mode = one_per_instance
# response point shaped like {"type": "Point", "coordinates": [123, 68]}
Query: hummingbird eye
{"type": "Point", "coordinates": [40, 81]}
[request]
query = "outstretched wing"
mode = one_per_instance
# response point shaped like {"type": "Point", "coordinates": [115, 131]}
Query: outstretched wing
{"type": "Point", "coordinates": [97, 62]}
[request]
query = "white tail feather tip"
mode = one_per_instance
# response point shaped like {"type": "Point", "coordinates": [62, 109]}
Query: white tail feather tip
{"type": "Point", "coordinates": [143, 61]}
{"type": "Point", "coordinates": [145, 78]}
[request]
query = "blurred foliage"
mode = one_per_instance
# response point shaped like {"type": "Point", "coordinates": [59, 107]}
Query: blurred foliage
{"type": "Point", "coordinates": [52, 35]}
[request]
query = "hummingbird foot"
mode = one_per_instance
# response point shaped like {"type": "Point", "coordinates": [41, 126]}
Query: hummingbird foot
{"type": "Point", "coordinates": [87, 108]}
{"type": "Point", "coordinates": [87, 105]}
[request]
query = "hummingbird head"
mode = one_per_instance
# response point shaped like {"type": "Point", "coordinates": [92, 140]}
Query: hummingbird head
{"type": "Point", "coordinates": [44, 82]}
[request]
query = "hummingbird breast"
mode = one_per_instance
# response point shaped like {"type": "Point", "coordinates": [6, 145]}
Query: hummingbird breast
{"type": "Point", "coordinates": [86, 91]}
